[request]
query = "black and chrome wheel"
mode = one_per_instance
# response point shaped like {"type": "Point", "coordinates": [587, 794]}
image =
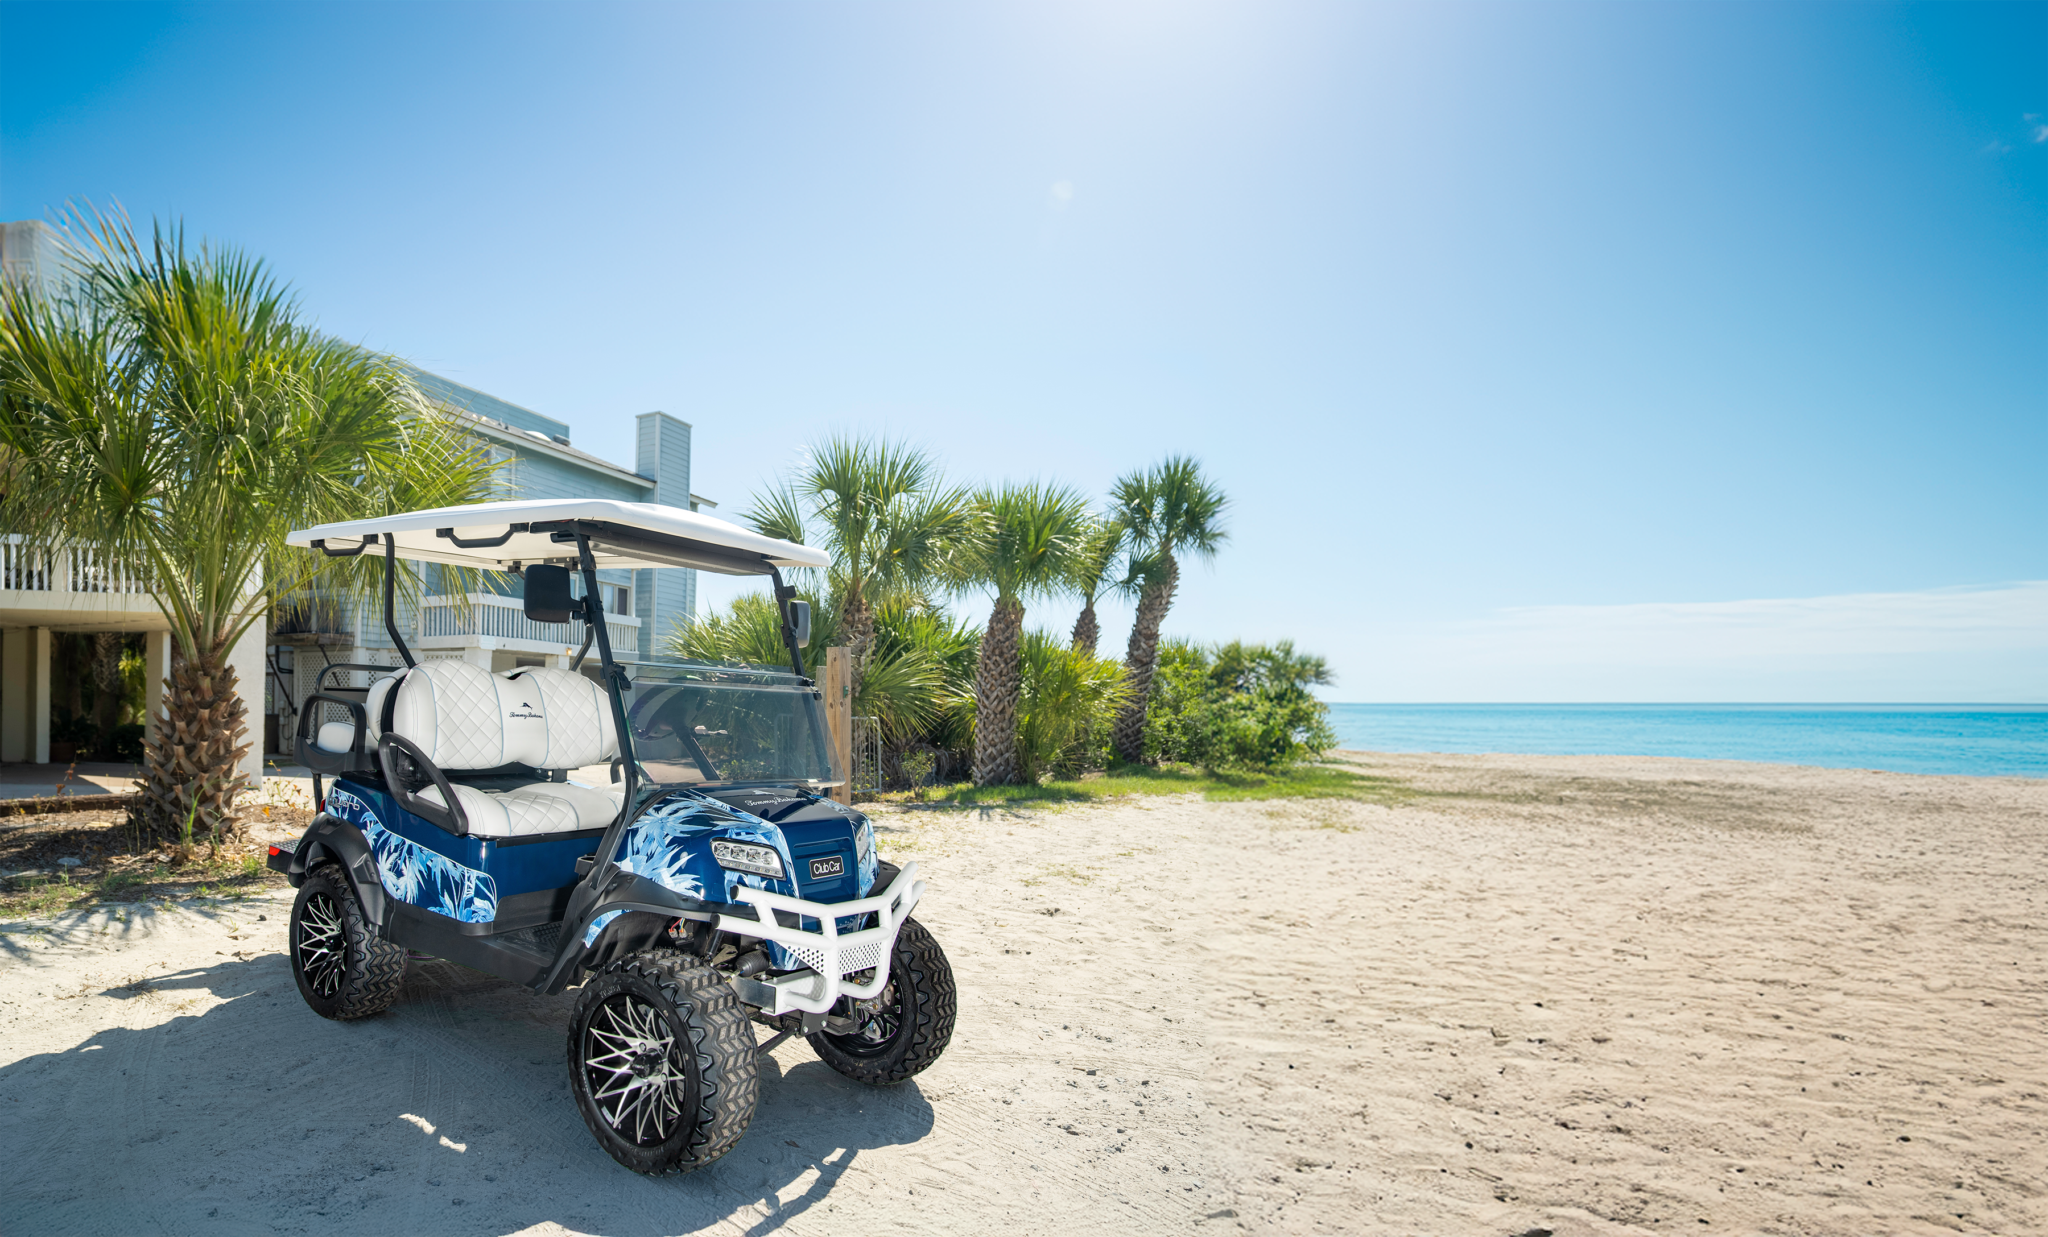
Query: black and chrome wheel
{"type": "Point", "coordinates": [901, 1031]}
{"type": "Point", "coordinates": [344, 970]}
{"type": "Point", "coordinates": [661, 1060]}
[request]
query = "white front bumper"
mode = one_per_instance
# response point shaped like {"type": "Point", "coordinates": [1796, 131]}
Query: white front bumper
{"type": "Point", "coordinates": [829, 955]}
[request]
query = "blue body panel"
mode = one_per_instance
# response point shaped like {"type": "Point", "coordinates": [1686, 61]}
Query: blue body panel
{"type": "Point", "coordinates": [414, 866]}
{"type": "Point", "coordinates": [670, 844]}
{"type": "Point", "coordinates": [531, 866]}
{"type": "Point", "coordinates": [465, 878]}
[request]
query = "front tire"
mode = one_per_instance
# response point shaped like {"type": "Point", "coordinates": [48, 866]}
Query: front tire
{"type": "Point", "coordinates": [662, 1062]}
{"type": "Point", "coordinates": [343, 968]}
{"type": "Point", "coordinates": [901, 1032]}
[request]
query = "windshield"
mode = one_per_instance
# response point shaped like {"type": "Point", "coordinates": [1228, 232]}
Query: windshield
{"type": "Point", "coordinates": [696, 724]}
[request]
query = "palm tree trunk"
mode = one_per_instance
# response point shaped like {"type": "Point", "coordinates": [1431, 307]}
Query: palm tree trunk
{"type": "Point", "coordinates": [998, 681]}
{"type": "Point", "coordinates": [858, 624]}
{"type": "Point", "coordinates": [1087, 631]}
{"type": "Point", "coordinates": [1128, 735]}
{"type": "Point", "coordinates": [190, 763]}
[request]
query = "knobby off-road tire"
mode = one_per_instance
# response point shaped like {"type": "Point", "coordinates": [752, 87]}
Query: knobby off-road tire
{"type": "Point", "coordinates": [344, 969]}
{"type": "Point", "coordinates": [908, 1026]}
{"type": "Point", "coordinates": [661, 1061]}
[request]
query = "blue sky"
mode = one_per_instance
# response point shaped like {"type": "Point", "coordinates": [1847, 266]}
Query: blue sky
{"type": "Point", "coordinates": [1493, 319]}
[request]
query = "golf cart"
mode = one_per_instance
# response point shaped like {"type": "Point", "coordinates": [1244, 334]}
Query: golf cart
{"type": "Point", "coordinates": [653, 832]}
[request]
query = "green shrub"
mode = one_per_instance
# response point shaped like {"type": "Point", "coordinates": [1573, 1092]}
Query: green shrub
{"type": "Point", "coordinates": [1257, 731]}
{"type": "Point", "coordinates": [1069, 698]}
{"type": "Point", "coordinates": [1237, 708]}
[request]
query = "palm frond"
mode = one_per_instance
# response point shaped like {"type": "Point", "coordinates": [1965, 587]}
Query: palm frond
{"type": "Point", "coordinates": [1096, 547]}
{"type": "Point", "coordinates": [777, 513]}
{"type": "Point", "coordinates": [1025, 538]}
{"type": "Point", "coordinates": [1172, 508]}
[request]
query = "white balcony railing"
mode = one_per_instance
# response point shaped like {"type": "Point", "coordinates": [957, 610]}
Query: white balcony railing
{"type": "Point", "coordinates": [501, 622]}
{"type": "Point", "coordinates": [33, 567]}
{"type": "Point", "coordinates": [24, 566]}
{"type": "Point", "coordinates": [92, 573]}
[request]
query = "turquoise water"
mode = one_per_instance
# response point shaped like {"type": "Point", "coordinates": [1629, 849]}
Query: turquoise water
{"type": "Point", "coordinates": [1983, 740]}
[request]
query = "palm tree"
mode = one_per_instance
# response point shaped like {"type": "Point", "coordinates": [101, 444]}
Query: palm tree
{"type": "Point", "coordinates": [1094, 557]}
{"type": "Point", "coordinates": [1023, 545]}
{"type": "Point", "coordinates": [168, 407]}
{"type": "Point", "coordinates": [1170, 510]}
{"type": "Point", "coordinates": [883, 512]}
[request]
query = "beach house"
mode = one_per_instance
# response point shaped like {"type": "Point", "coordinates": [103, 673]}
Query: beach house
{"type": "Point", "coordinates": [48, 591]}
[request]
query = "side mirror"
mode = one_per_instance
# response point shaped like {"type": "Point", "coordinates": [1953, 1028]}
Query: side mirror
{"type": "Point", "coordinates": [800, 622]}
{"type": "Point", "coordinates": [547, 594]}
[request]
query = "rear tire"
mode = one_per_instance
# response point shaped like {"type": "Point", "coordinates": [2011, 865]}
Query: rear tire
{"type": "Point", "coordinates": [343, 968]}
{"type": "Point", "coordinates": [661, 1061]}
{"type": "Point", "coordinates": [905, 1029]}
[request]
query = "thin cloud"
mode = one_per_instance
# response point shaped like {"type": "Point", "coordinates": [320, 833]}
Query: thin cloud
{"type": "Point", "coordinates": [1973, 619]}
{"type": "Point", "coordinates": [1938, 644]}
{"type": "Point", "coordinates": [1062, 194]}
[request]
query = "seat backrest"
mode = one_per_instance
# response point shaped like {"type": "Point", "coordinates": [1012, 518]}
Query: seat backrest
{"type": "Point", "coordinates": [575, 727]}
{"type": "Point", "coordinates": [465, 718]}
{"type": "Point", "coordinates": [452, 711]}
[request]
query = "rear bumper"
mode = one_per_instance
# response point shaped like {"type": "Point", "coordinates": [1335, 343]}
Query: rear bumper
{"type": "Point", "coordinates": [283, 857]}
{"type": "Point", "coordinates": [830, 954]}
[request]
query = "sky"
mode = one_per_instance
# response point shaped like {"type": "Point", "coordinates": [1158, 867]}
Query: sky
{"type": "Point", "coordinates": [1545, 351]}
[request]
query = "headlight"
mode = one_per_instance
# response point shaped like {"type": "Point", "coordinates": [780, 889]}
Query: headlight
{"type": "Point", "coordinates": [747, 857]}
{"type": "Point", "coordinates": [864, 841]}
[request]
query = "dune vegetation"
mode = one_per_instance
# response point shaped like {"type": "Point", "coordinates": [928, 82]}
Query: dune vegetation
{"type": "Point", "coordinates": [995, 707]}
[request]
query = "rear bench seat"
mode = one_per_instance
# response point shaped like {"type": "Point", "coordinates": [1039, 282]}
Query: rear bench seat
{"type": "Point", "coordinates": [467, 720]}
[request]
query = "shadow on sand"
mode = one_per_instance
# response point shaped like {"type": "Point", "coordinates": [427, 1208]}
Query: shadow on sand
{"type": "Point", "coordinates": [449, 1114]}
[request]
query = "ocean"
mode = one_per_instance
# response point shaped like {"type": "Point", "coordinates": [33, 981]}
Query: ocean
{"type": "Point", "coordinates": [1981, 740]}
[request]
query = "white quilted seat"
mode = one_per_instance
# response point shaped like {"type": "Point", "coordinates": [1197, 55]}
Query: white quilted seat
{"type": "Point", "coordinates": [537, 807]}
{"type": "Point", "coordinates": [466, 719]}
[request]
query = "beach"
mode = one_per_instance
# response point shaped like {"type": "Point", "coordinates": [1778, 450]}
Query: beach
{"type": "Point", "coordinates": [1501, 994]}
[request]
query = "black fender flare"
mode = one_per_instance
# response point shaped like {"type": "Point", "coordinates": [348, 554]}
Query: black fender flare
{"type": "Point", "coordinates": [328, 838]}
{"type": "Point", "coordinates": [625, 892]}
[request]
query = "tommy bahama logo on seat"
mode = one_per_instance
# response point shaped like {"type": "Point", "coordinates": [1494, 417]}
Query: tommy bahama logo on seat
{"type": "Point", "coordinates": [531, 712]}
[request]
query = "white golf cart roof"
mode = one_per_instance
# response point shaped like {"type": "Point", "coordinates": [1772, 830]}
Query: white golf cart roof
{"type": "Point", "coordinates": [525, 531]}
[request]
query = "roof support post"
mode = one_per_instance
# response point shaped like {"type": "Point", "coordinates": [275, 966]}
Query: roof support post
{"type": "Point", "coordinates": [614, 673]}
{"type": "Point", "coordinates": [783, 595]}
{"type": "Point", "coordinates": [391, 599]}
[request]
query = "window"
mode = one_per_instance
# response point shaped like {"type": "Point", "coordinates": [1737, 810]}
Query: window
{"type": "Point", "coordinates": [616, 598]}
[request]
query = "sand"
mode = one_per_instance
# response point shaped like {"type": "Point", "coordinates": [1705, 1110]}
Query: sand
{"type": "Point", "coordinates": [1587, 995]}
